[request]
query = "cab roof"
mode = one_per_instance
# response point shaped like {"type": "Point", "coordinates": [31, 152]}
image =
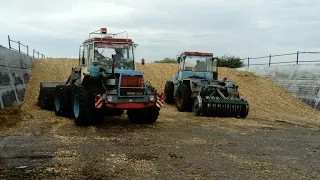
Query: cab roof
{"type": "Point", "coordinates": [109, 40]}
{"type": "Point", "coordinates": [197, 53]}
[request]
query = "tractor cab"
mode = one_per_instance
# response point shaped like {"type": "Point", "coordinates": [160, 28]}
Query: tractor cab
{"type": "Point", "coordinates": [109, 52]}
{"type": "Point", "coordinates": [197, 65]}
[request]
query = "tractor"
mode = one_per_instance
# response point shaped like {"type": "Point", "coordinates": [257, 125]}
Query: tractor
{"type": "Point", "coordinates": [196, 88]}
{"type": "Point", "coordinates": [105, 83]}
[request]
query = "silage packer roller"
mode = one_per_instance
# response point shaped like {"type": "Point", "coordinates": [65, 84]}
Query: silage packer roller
{"type": "Point", "coordinates": [196, 88]}
{"type": "Point", "coordinates": [106, 83]}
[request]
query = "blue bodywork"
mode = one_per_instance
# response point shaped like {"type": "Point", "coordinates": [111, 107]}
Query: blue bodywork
{"type": "Point", "coordinates": [124, 72]}
{"type": "Point", "coordinates": [94, 71]}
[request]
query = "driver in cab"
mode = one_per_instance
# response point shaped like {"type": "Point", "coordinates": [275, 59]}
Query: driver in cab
{"type": "Point", "coordinates": [98, 56]}
{"type": "Point", "coordinates": [118, 57]}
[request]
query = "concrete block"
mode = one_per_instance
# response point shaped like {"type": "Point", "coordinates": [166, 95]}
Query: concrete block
{"type": "Point", "coordinates": [15, 70]}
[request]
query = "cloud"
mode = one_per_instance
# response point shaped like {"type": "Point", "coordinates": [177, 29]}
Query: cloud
{"type": "Point", "coordinates": [167, 27]}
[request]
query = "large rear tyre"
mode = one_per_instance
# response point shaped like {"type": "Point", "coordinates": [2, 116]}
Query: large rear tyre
{"type": "Point", "coordinates": [168, 92]}
{"type": "Point", "coordinates": [183, 98]}
{"type": "Point", "coordinates": [61, 101]}
{"type": "Point", "coordinates": [83, 106]}
{"type": "Point", "coordinates": [144, 116]}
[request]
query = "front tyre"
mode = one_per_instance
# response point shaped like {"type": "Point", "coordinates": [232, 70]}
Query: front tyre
{"type": "Point", "coordinates": [83, 106]}
{"type": "Point", "coordinates": [168, 92]}
{"type": "Point", "coordinates": [183, 98]}
{"type": "Point", "coordinates": [61, 105]}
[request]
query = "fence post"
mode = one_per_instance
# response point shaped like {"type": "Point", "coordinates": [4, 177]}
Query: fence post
{"type": "Point", "coordinates": [248, 61]}
{"type": "Point", "coordinates": [19, 45]}
{"type": "Point", "coordinates": [33, 53]}
{"type": "Point", "coordinates": [28, 50]}
{"type": "Point", "coordinates": [297, 57]}
{"type": "Point", "coordinates": [9, 42]}
{"type": "Point", "coordinates": [270, 60]}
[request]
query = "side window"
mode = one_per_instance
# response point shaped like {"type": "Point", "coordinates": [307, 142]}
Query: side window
{"type": "Point", "coordinates": [90, 53]}
{"type": "Point", "coordinates": [181, 64]}
{"type": "Point", "coordinates": [83, 55]}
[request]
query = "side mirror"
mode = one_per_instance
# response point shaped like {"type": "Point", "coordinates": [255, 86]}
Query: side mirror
{"type": "Point", "coordinates": [142, 61]}
{"type": "Point", "coordinates": [178, 59]}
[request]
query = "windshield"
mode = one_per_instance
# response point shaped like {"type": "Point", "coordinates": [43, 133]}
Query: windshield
{"type": "Point", "coordinates": [121, 53]}
{"type": "Point", "coordinates": [199, 63]}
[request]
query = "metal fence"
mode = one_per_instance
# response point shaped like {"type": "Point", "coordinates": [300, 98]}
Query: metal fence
{"type": "Point", "coordinates": [24, 49]}
{"type": "Point", "coordinates": [296, 59]}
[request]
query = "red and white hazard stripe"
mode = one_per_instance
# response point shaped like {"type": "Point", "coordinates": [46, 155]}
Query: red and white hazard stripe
{"type": "Point", "coordinates": [99, 101]}
{"type": "Point", "coordinates": [160, 101]}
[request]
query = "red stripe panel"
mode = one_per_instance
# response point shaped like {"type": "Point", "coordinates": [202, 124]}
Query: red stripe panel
{"type": "Point", "coordinates": [130, 105]}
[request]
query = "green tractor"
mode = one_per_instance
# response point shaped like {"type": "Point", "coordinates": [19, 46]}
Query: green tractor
{"type": "Point", "coordinates": [196, 88]}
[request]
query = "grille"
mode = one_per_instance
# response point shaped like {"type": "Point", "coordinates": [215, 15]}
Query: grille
{"type": "Point", "coordinates": [131, 85]}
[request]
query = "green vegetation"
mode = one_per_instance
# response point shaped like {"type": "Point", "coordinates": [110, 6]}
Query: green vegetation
{"type": "Point", "coordinates": [223, 61]}
{"type": "Point", "coordinates": [167, 60]}
{"type": "Point", "coordinates": [230, 62]}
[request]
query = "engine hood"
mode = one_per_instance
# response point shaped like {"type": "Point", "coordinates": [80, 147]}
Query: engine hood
{"type": "Point", "coordinates": [124, 72]}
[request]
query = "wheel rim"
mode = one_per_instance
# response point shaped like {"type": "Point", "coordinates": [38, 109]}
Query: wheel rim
{"type": "Point", "coordinates": [57, 103]}
{"type": "Point", "coordinates": [196, 106]}
{"type": "Point", "coordinates": [76, 106]}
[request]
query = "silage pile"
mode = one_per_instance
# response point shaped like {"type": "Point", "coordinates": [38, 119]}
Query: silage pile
{"type": "Point", "coordinates": [46, 70]}
{"type": "Point", "coordinates": [267, 100]}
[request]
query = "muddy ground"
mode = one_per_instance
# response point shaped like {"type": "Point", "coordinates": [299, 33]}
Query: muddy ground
{"type": "Point", "coordinates": [177, 146]}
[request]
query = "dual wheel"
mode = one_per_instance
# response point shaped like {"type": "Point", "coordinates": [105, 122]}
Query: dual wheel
{"type": "Point", "coordinates": [79, 103]}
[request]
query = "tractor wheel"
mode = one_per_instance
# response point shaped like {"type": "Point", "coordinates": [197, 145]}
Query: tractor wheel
{"type": "Point", "coordinates": [183, 98]}
{"type": "Point", "coordinates": [144, 116]}
{"type": "Point", "coordinates": [168, 92]}
{"type": "Point", "coordinates": [197, 106]}
{"type": "Point", "coordinates": [83, 106]}
{"type": "Point", "coordinates": [61, 101]}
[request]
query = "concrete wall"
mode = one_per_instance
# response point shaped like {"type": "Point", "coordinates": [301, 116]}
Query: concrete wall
{"type": "Point", "coordinates": [302, 81]}
{"type": "Point", "coordinates": [15, 70]}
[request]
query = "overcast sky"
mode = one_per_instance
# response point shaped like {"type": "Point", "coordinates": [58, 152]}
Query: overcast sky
{"type": "Point", "coordinates": [164, 28]}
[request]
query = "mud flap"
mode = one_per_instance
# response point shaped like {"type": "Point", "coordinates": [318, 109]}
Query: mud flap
{"type": "Point", "coordinates": [160, 100]}
{"type": "Point", "coordinates": [45, 99]}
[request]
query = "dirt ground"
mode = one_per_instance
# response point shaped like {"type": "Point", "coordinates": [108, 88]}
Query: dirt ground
{"type": "Point", "coordinates": [175, 147]}
{"type": "Point", "coordinates": [278, 140]}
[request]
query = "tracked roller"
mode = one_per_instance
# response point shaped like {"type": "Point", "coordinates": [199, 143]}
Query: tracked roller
{"type": "Point", "coordinates": [220, 106]}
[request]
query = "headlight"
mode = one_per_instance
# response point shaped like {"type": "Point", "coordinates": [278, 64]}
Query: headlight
{"type": "Point", "coordinates": [109, 98]}
{"type": "Point", "coordinates": [152, 98]}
